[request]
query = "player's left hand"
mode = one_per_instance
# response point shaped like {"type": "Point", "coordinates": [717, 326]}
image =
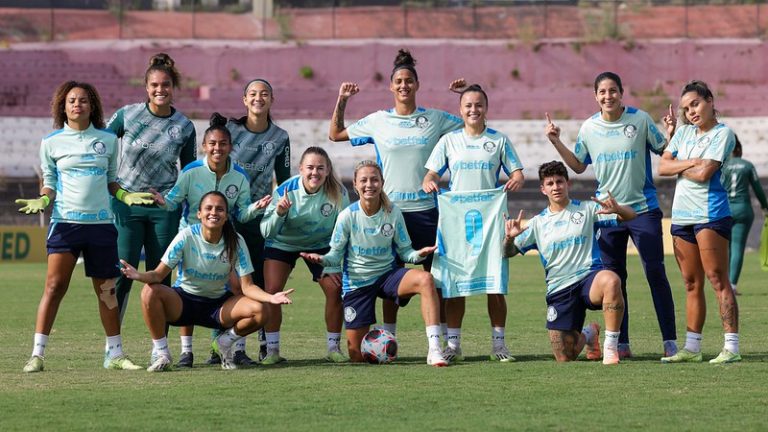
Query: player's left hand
{"type": "Point", "coordinates": [335, 278]}
{"type": "Point", "coordinates": [513, 185]}
{"type": "Point", "coordinates": [513, 227]}
{"type": "Point", "coordinates": [457, 85]}
{"type": "Point", "coordinates": [312, 257]}
{"type": "Point", "coordinates": [425, 251]}
{"type": "Point", "coordinates": [282, 297]}
{"type": "Point", "coordinates": [262, 203]}
{"type": "Point", "coordinates": [128, 270]}
{"type": "Point", "coordinates": [608, 205]}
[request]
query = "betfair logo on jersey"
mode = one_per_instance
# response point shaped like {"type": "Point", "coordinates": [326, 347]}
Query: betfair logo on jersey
{"type": "Point", "coordinates": [472, 165]}
{"type": "Point", "coordinates": [472, 198]}
{"type": "Point", "coordinates": [616, 156]}
{"type": "Point", "coordinates": [408, 141]}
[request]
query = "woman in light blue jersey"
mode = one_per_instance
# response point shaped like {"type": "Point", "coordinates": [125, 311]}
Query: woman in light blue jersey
{"type": "Point", "coordinates": [301, 218]}
{"type": "Point", "coordinates": [475, 155]}
{"type": "Point", "coordinates": [404, 137]}
{"type": "Point", "coordinates": [79, 164]}
{"type": "Point", "coordinates": [618, 141]}
{"type": "Point", "coordinates": [701, 219]}
{"type": "Point", "coordinates": [156, 139]}
{"type": "Point", "coordinates": [207, 254]}
{"type": "Point", "coordinates": [367, 236]}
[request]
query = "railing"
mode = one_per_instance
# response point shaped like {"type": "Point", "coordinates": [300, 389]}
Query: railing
{"type": "Point", "coordinates": [285, 20]}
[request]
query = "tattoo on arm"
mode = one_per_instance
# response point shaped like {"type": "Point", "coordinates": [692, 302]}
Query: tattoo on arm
{"type": "Point", "coordinates": [338, 114]}
{"type": "Point", "coordinates": [510, 249]}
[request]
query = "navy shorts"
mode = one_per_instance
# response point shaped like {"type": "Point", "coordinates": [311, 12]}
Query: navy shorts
{"type": "Point", "coordinates": [290, 258]}
{"type": "Point", "coordinates": [360, 304]}
{"type": "Point", "coordinates": [688, 232]}
{"type": "Point", "coordinates": [97, 243]}
{"type": "Point", "coordinates": [567, 308]}
{"type": "Point", "coordinates": [200, 311]}
{"type": "Point", "coordinates": [422, 229]}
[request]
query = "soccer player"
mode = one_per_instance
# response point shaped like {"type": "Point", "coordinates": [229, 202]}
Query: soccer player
{"type": "Point", "coordinates": [618, 142]}
{"type": "Point", "coordinates": [79, 165]}
{"type": "Point", "coordinates": [404, 137]}
{"type": "Point", "coordinates": [474, 155]}
{"type": "Point", "coordinates": [738, 175]}
{"type": "Point", "coordinates": [701, 219]}
{"type": "Point", "coordinates": [301, 218]}
{"type": "Point", "coordinates": [565, 234]}
{"type": "Point", "coordinates": [215, 172]}
{"type": "Point", "coordinates": [206, 254]}
{"type": "Point", "coordinates": [155, 136]}
{"type": "Point", "coordinates": [367, 236]}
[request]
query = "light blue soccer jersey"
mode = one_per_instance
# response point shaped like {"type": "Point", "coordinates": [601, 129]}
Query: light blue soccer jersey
{"type": "Point", "coordinates": [694, 202]}
{"type": "Point", "coordinates": [79, 165]}
{"type": "Point", "coordinates": [309, 223]}
{"type": "Point", "coordinates": [470, 232]}
{"type": "Point", "coordinates": [403, 145]}
{"type": "Point", "coordinates": [260, 154]}
{"type": "Point", "coordinates": [367, 245]}
{"type": "Point", "coordinates": [151, 147]}
{"type": "Point", "coordinates": [620, 153]}
{"type": "Point", "coordinates": [567, 242]}
{"type": "Point", "coordinates": [197, 179]}
{"type": "Point", "coordinates": [204, 267]}
{"type": "Point", "coordinates": [474, 162]}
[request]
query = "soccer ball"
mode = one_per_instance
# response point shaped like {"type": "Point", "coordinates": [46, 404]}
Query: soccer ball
{"type": "Point", "coordinates": [379, 347]}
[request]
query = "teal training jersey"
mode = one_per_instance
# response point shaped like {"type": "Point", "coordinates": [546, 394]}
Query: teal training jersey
{"type": "Point", "coordinates": [79, 165]}
{"type": "Point", "coordinates": [474, 162]}
{"type": "Point", "coordinates": [738, 175]}
{"type": "Point", "coordinates": [151, 147]}
{"type": "Point", "coordinates": [309, 223]}
{"type": "Point", "coordinates": [620, 153]}
{"type": "Point", "coordinates": [470, 236]}
{"type": "Point", "coordinates": [367, 245]}
{"type": "Point", "coordinates": [260, 154]}
{"type": "Point", "coordinates": [403, 145]}
{"type": "Point", "coordinates": [197, 179]}
{"type": "Point", "coordinates": [567, 242]}
{"type": "Point", "coordinates": [694, 202]}
{"type": "Point", "coordinates": [204, 267]}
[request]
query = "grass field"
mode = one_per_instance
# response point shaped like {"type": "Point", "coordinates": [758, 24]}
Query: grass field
{"type": "Point", "coordinates": [535, 393]}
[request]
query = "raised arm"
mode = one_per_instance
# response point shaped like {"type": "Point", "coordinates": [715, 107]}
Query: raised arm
{"type": "Point", "coordinates": [553, 133]}
{"type": "Point", "coordinates": [338, 132]}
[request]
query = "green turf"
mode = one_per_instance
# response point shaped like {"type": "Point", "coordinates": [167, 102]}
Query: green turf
{"type": "Point", "coordinates": [75, 393]}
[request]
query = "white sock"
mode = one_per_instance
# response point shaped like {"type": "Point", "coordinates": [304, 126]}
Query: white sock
{"type": "Point", "coordinates": [733, 287]}
{"type": "Point", "coordinates": [333, 340]}
{"type": "Point", "coordinates": [611, 341]}
{"type": "Point", "coordinates": [497, 337]}
{"type": "Point", "coordinates": [273, 342]}
{"type": "Point", "coordinates": [390, 327]}
{"type": "Point", "coordinates": [160, 346]}
{"type": "Point", "coordinates": [114, 346]}
{"type": "Point", "coordinates": [433, 336]}
{"type": "Point", "coordinates": [38, 347]}
{"type": "Point", "coordinates": [588, 333]}
{"type": "Point", "coordinates": [227, 338]}
{"type": "Point", "coordinates": [732, 342]}
{"type": "Point", "coordinates": [454, 338]}
{"type": "Point", "coordinates": [186, 344]}
{"type": "Point", "coordinates": [240, 344]}
{"type": "Point", "coordinates": [693, 342]}
{"type": "Point", "coordinates": [444, 331]}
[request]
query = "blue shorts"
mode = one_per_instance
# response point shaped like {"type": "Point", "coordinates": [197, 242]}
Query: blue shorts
{"type": "Point", "coordinates": [97, 243]}
{"type": "Point", "coordinates": [290, 258]}
{"type": "Point", "coordinates": [688, 232]}
{"type": "Point", "coordinates": [360, 304]}
{"type": "Point", "coordinates": [422, 229]}
{"type": "Point", "coordinates": [567, 308]}
{"type": "Point", "coordinates": [201, 311]}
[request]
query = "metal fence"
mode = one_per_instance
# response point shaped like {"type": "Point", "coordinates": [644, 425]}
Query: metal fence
{"type": "Point", "coordinates": [57, 20]}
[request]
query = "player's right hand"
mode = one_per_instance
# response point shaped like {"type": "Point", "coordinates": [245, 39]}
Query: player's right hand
{"type": "Point", "coordinates": [348, 89]}
{"type": "Point", "coordinates": [33, 205]}
{"type": "Point", "coordinates": [513, 227]}
{"type": "Point", "coordinates": [138, 198]}
{"type": "Point", "coordinates": [552, 130]}
{"type": "Point", "coordinates": [283, 206]}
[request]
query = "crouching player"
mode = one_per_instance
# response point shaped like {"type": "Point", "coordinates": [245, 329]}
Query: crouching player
{"type": "Point", "coordinates": [206, 255]}
{"type": "Point", "coordinates": [367, 235]}
{"type": "Point", "coordinates": [565, 234]}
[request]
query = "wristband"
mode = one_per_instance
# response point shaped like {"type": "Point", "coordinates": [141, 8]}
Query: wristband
{"type": "Point", "coordinates": [120, 194]}
{"type": "Point", "coordinates": [45, 199]}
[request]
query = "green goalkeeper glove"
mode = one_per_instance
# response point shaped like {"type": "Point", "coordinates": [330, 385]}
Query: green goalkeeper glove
{"type": "Point", "coordinates": [134, 198]}
{"type": "Point", "coordinates": [35, 205]}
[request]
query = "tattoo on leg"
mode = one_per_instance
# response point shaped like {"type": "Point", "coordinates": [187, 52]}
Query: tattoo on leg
{"type": "Point", "coordinates": [613, 307]}
{"type": "Point", "coordinates": [564, 343]}
{"type": "Point", "coordinates": [729, 312]}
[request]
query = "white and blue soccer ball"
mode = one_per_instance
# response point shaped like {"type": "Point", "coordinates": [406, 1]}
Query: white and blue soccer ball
{"type": "Point", "coordinates": [379, 346]}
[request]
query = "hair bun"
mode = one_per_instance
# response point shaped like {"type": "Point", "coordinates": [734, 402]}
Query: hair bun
{"type": "Point", "coordinates": [217, 120]}
{"type": "Point", "coordinates": [404, 58]}
{"type": "Point", "coordinates": [161, 59]}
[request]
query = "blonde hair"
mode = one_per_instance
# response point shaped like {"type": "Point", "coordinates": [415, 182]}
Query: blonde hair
{"type": "Point", "coordinates": [332, 185]}
{"type": "Point", "coordinates": [385, 202]}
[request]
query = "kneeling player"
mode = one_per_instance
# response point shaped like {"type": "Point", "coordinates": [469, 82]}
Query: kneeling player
{"type": "Point", "coordinates": [565, 234]}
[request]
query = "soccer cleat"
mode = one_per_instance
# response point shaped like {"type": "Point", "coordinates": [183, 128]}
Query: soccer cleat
{"type": "Point", "coordinates": [726, 356]}
{"type": "Point", "coordinates": [272, 358]}
{"type": "Point", "coordinates": [242, 359]}
{"type": "Point", "coordinates": [453, 355]}
{"type": "Point", "coordinates": [226, 355]}
{"type": "Point", "coordinates": [34, 364]}
{"type": "Point", "coordinates": [335, 356]}
{"type": "Point", "coordinates": [683, 356]}
{"type": "Point", "coordinates": [186, 360]}
{"type": "Point", "coordinates": [501, 354]}
{"type": "Point", "coordinates": [436, 358]}
{"type": "Point", "coordinates": [593, 344]}
{"type": "Point", "coordinates": [214, 359]}
{"type": "Point", "coordinates": [611, 357]}
{"type": "Point", "coordinates": [624, 351]}
{"type": "Point", "coordinates": [160, 363]}
{"type": "Point", "coordinates": [121, 362]}
{"type": "Point", "coordinates": [670, 348]}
